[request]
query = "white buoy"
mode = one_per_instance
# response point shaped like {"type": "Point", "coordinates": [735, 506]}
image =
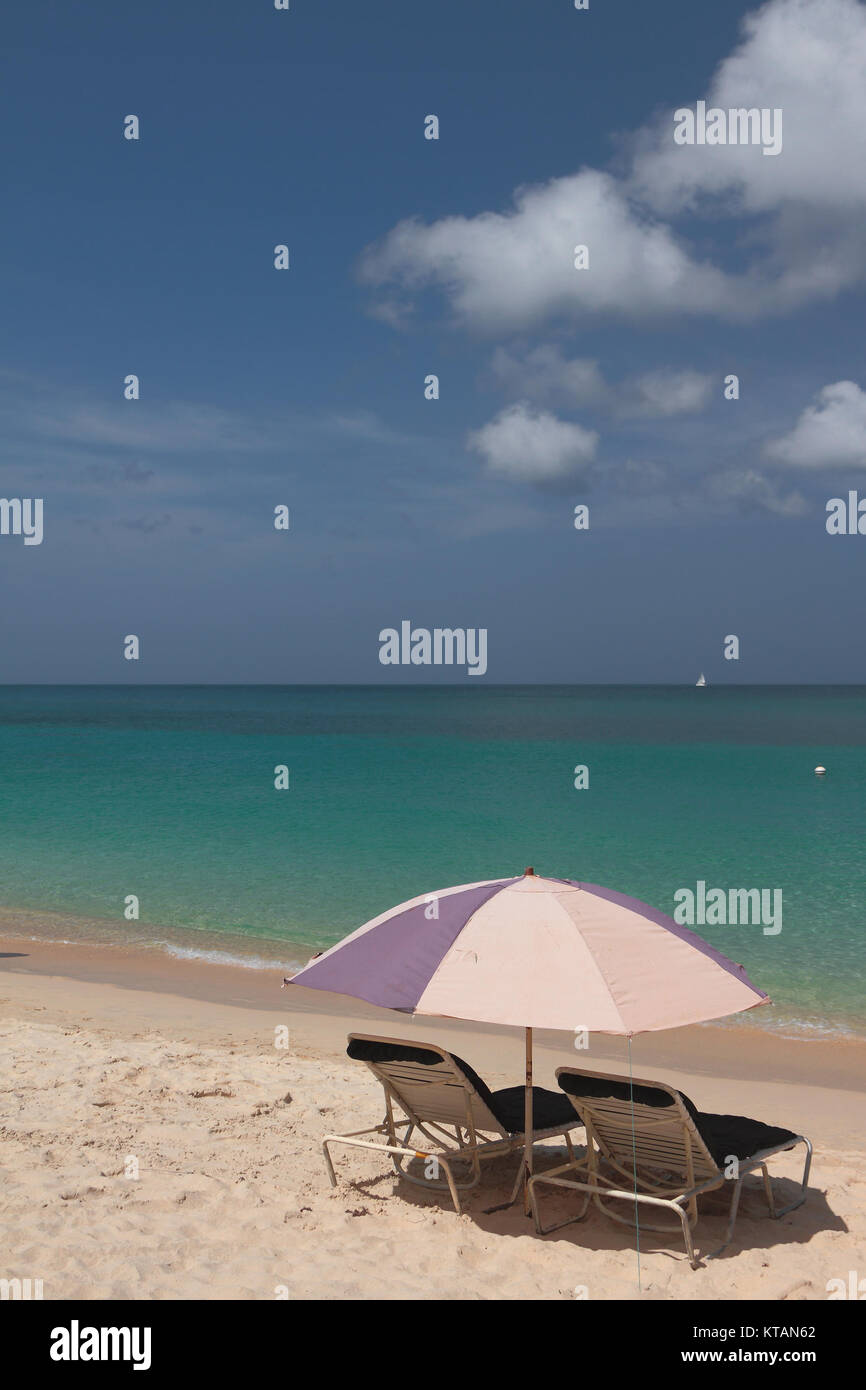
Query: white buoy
{"type": "Point", "coordinates": [820, 771]}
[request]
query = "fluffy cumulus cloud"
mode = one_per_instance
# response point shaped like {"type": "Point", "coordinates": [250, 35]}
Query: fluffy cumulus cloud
{"type": "Point", "coordinates": [829, 434]}
{"type": "Point", "coordinates": [523, 445]}
{"type": "Point", "coordinates": [513, 269]}
{"type": "Point", "coordinates": [806, 58]}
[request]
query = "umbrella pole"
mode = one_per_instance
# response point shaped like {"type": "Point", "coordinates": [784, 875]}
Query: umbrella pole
{"type": "Point", "coordinates": [527, 1124]}
{"type": "Point", "coordinates": [524, 1172]}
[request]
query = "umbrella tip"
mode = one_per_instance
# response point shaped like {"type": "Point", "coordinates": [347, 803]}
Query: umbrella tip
{"type": "Point", "coordinates": [528, 871]}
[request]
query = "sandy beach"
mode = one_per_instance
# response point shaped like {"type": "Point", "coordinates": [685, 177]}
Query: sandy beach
{"type": "Point", "coordinates": [159, 1142]}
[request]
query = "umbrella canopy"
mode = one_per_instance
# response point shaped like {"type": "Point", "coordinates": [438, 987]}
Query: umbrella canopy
{"type": "Point", "coordinates": [536, 952]}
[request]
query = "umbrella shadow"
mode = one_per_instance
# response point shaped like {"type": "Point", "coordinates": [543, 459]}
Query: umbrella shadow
{"type": "Point", "coordinates": [754, 1230]}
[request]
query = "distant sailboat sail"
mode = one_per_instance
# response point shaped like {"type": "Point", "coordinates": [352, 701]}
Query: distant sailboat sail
{"type": "Point", "coordinates": [701, 680]}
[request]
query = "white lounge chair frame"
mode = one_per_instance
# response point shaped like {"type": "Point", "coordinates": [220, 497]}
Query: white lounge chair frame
{"type": "Point", "coordinates": [673, 1164]}
{"type": "Point", "coordinates": [439, 1102]}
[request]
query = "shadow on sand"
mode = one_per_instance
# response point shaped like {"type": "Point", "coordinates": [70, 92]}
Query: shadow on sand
{"type": "Point", "coordinates": [755, 1229]}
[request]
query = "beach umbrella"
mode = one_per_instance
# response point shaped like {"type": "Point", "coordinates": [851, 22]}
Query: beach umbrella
{"type": "Point", "coordinates": [534, 952]}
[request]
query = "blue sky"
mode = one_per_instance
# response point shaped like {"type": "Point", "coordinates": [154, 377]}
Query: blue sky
{"type": "Point", "coordinates": [409, 257]}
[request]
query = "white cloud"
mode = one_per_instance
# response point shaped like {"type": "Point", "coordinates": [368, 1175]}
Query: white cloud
{"type": "Point", "coordinates": [804, 57]}
{"type": "Point", "coordinates": [828, 434]}
{"type": "Point", "coordinates": [749, 490]}
{"type": "Point", "coordinates": [511, 270]}
{"type": "Point", "coordinates": [545, 375]}
{"type": "Point", "coordinates": [527, 446]}
{"type": "Point", "coordinates": [667, 391]}
{"type": "Point", "coordinates": [514, 269]}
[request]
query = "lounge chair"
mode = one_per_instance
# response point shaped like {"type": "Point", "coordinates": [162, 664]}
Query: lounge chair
{"type": "Point", "coordinates": [674, 1150]}
{"type": "Point", "coordinates": [443, 1099]}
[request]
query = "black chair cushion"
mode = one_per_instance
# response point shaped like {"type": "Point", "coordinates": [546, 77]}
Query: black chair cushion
{"type": "Point", "coordinates": [724, 1135]}
{"type": "Point", "coordinates": [597, 1087]}
{"type": "Point", "coordinates": [550, 1109]}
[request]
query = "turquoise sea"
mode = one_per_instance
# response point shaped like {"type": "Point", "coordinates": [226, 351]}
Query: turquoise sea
{"type": "Point", "coordinates": [168, 793]}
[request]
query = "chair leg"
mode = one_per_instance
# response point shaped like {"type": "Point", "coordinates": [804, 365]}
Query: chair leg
{"type": "Point", "coordinates": [329, 1162]}
{"type": "Point", "coordinates": [518, 1182]}
{"type": "Point", "coordinates": [768, 1189]}
{"type": "Point", "coordinates": [801, 1195]}
{"type": "Point", "coordinates": [558, 1225]}
{"type": "Point", "coordinates": [452, 1186]}
{"type": "Point", "coordinates": [687, 1237]}
{"type": "Point", "coordinates": [775, 1212]}
{"type": "Point", "coordinates": [397, 1160]}
{"type": "Point", "coordinates": [431, 1184]}
{"type": "Point", "coordinates": [503, 1206]}
{"type": "Point", "coordinates": [735, 1203]}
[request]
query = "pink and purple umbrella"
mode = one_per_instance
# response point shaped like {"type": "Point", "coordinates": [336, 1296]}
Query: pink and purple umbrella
{"type": "Point", "coordinates": [535, 952]}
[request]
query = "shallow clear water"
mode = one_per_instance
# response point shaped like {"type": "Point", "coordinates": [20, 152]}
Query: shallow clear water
{"type": "Point", "coordinates": [168, 793]}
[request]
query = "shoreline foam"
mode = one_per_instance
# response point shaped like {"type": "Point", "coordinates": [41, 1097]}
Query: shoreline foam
{"type": "Point", "coordinates": [711, 1049]}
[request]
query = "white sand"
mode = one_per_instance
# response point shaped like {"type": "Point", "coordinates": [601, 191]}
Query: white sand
{"type": "Point", "coordinates": [232, 1200]}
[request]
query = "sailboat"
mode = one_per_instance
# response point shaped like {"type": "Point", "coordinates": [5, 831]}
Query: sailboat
{"type": "Point", "coordinates": [701, 680]}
